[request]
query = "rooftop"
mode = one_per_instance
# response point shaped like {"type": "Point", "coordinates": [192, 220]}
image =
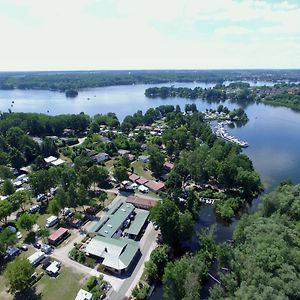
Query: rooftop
{"type": "Point", "coordinates": [50, 159]}
{"type": "Point", "coordinates": [116, 253]}
{"type": "Point", "coordinates": [58, 162]}
{"type": "Point", "coordinates": [138, 223]}
{"type": "Point", "coordinates": [141, 180]}
{"type": "Point", "coordinates": [115, 220]}
{"type": "Point", "coordinates": [155, 185]}
{"type": "Point", "coordinates": [57, 234]}
{"type": "Point", "coordinates": [133, 177]}
{"type": "Point", "coordinates": [84, 295]}
{"type": "Point", "coordinates": [140, 201]}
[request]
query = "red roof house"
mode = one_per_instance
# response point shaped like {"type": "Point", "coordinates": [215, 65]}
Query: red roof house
{"type": "Point", "coordinates": [155, 186]}
{"type": "Point", "coordinates": [141, 180]}
{"type": "Point", "coordinates": [58, 236]}
{"type": "Point", "coordinates": [141, 202]}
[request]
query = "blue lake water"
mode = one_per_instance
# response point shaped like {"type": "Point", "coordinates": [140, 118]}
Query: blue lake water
{"type": "Point", "coordinates": [272, 132]}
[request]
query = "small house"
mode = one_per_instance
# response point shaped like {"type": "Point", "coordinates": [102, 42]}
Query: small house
{"type": "Point", "coordinates": [141, 180]}
{"type": "Point", "coordinates": [58, 236]}
{"type": "Point", "coordinates": [155, 186]}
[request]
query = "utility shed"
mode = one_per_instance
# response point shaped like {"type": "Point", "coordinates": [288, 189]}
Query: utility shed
{"type": "Point", "coordinates": [137, 224]}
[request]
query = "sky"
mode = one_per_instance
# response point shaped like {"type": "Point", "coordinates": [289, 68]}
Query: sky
{"type": "Point", "coordinates": [149, 34]}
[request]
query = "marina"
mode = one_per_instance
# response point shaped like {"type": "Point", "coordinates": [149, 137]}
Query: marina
{"type": "Point", "coordinates": [220, 131]}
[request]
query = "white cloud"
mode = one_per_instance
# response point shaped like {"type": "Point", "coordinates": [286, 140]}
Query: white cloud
{"type": "Point", "coordinates": [80, 34]}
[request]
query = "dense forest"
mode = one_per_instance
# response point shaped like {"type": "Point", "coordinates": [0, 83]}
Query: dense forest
{"type": "Point", "coordinates": [63, 81]}
{"type": "Point", "coordinates": [264, 261]}
{"type": "Point", "coordinates": [283, 94]}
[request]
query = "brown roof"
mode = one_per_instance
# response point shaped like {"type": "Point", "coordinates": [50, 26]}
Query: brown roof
{"type": "Point", "coordinates": [57, 234]}
{"type": "Point", "coordinates": [142, 180]}
{"type": "Point", "coordinates": [168, 165]}
{"type": "Point", "coordinates": [155, 185]}
{"type": "Point", "coordinates": [133, 177]}
{"type": "Point", "coordinates": [140, 201]}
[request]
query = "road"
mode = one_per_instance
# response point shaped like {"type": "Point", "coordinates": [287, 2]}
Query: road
{"type": "Point", "coordinates": [147, 244]}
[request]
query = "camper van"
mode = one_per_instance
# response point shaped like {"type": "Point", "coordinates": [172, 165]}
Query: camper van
{"type": "Point", "coordinates": [51, 221]}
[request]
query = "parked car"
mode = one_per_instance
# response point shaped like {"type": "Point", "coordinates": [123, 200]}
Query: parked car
{"type": "Point", "coordinates": [47, 249]}
{"type": "Point", "coordinates": [40, 197]}
{"type": "Point", "coordinates": [23, 247]}
{"type": "Point", "coordinates": [37, 245]}
{"type": "Point", "coordinates": [66, 211]}
{"type": "Point", "coordinates": [34, 209]}
{"type": "Point", "coordinates": [19, 235]}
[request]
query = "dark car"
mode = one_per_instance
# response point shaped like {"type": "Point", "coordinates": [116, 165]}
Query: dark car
{"type": "Point", "coordinates": [37, 245]}
{"type": "Point", "coordinates": [23, 247]}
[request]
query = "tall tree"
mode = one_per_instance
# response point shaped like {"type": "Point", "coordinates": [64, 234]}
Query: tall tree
{"type": "Point", "coordinates": [8, 187]}
{"type": "Point", "coordinates": [5, 210]}
{"type": "Point", "coordinates": [166, 215]}
{"type": "Point", "coordinates": [18, 274]}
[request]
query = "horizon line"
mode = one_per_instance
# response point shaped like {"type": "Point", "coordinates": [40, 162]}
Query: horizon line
{"type": "Point", "coordinates": [149, 69]}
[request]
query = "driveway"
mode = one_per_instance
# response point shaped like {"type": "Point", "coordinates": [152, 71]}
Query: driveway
{"type": "Point", "coordinates": [62, 254]}
{"type": "Point", "coordinates": [147, 244]}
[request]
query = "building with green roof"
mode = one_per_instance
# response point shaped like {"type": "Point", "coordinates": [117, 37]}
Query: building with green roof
{"type": "Point", "coordinates": [137, 224]}
{"type": "Point", "coordinates": [113, 221]}
{"type": "Point", "coordinates": [116, 255]}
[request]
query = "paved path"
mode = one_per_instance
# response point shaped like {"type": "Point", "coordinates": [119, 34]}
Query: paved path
{"type": "Point", "coordinates": [80, 141]}
{"type": "Point", "coordinates": [147, 244]}
{"type": "Point", "coordinates": [62, 254]}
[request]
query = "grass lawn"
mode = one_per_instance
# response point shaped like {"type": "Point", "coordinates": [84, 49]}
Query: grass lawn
{"type": "Point", "coordinates": [139, 170]}
{"type": "Point", "coordinates": [65, 286]}
{"type": "Point", "coordinates": [110, 198]}
{"type": "Point", "coordinates": [3, 294]}
{"type": "Point", "coordinates": [41, 221]}
{"type": "Point", "coordinates": [110, 163]}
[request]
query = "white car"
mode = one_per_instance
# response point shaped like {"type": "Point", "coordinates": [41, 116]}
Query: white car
{"type": "Point", "coordinates": [19, 235]}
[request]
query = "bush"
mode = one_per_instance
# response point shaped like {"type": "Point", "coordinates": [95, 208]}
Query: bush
{"type": "Point", "coordinates": [91, 283]}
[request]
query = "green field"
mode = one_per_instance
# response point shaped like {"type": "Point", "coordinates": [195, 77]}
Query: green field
{"type": "Point", "coordinates": [65, 286]}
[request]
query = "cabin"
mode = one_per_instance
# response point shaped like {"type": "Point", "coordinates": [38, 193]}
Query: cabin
{"type": "Point", "coordinates": [141, 202]}
{"type": "Point", "coordinates": [58, 236]}
{"type": "Point", "coordinates": [155, 186]}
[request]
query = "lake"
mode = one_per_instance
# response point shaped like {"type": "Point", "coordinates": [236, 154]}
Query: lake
{"type": "Point", "coordinates": [272, 132]}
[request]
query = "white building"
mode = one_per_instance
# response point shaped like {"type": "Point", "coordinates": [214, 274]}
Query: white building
{"type": "Point", "coordinates": [84, 295]}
